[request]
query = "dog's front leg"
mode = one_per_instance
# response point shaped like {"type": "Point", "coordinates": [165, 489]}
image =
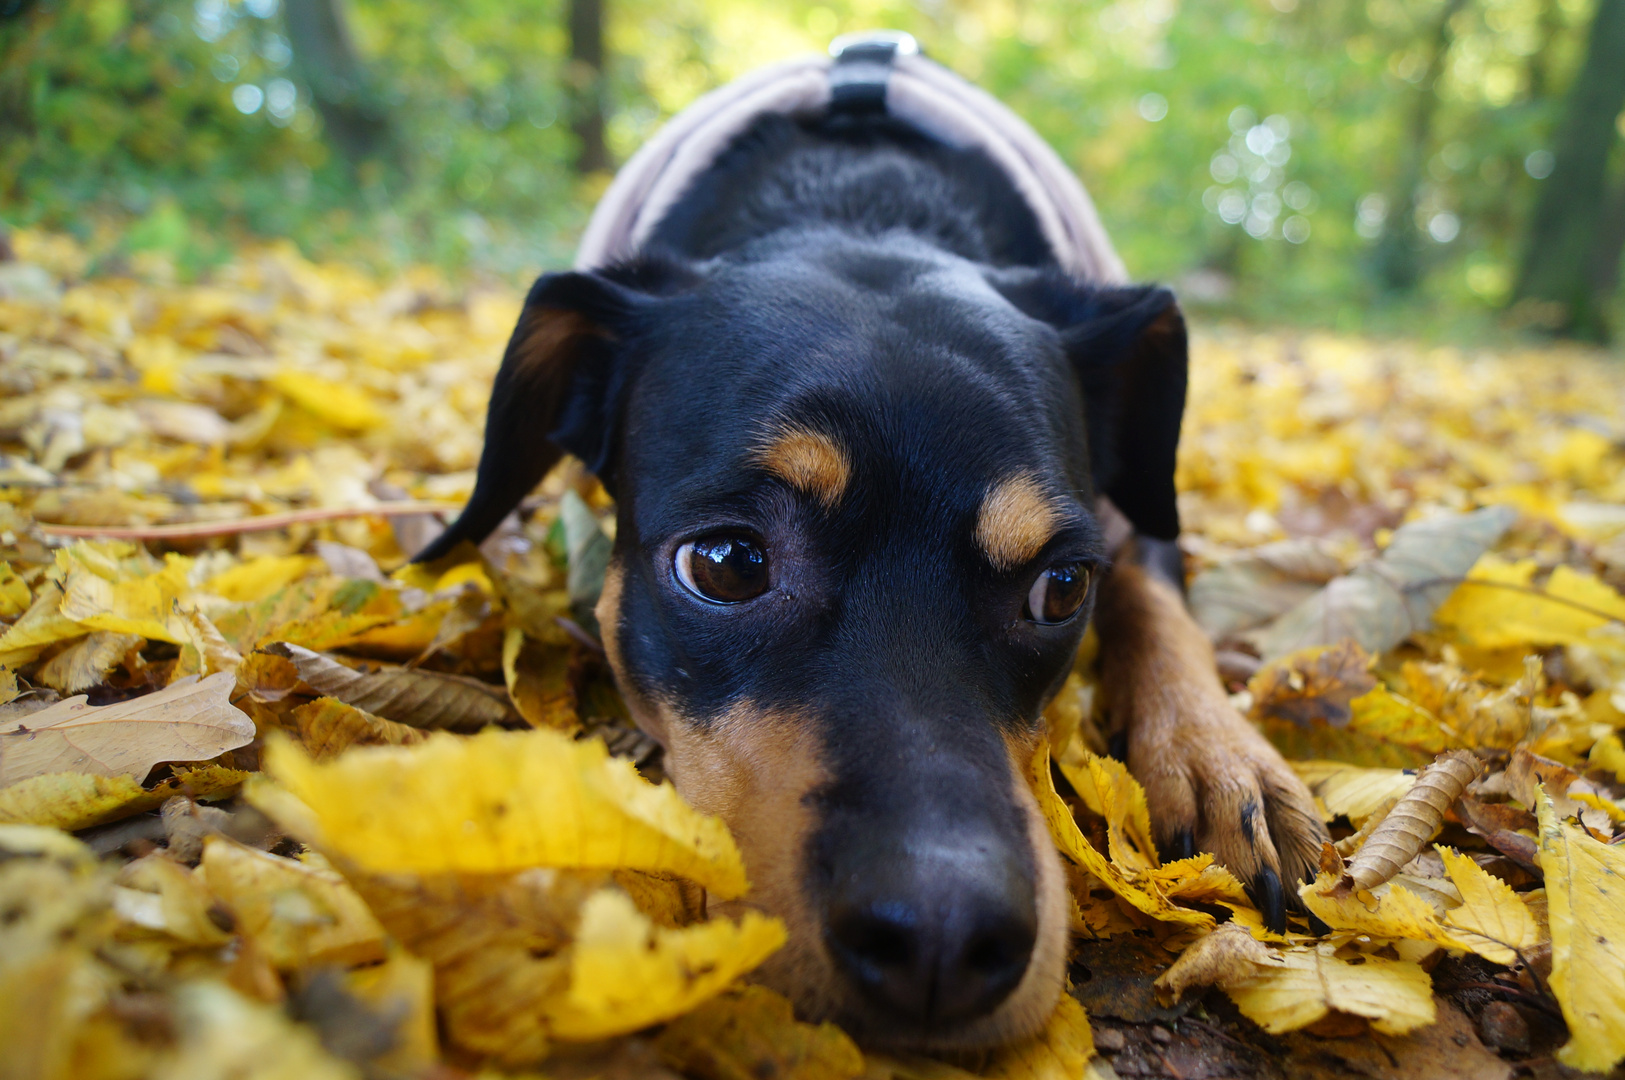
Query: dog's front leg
{"type": "Point", "coordinates": [1213, 782]}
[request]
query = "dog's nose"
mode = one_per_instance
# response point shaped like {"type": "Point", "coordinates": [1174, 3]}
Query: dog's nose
{"type": "Point", "coordinates": [936, 938]}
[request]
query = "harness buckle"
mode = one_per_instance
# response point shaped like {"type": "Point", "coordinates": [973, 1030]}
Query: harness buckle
{"type": "Point", "coordinates": [863, 61]}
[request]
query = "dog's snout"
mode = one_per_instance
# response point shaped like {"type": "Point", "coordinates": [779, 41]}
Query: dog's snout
{"type": "Point", "coordinates": [934, 938]}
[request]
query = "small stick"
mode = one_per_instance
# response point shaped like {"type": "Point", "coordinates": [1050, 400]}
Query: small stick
{"type": "Point", "coordinates": [193, 530]}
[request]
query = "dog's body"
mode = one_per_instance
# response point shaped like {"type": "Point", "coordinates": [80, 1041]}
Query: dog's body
{"type": "Point", "coordinates": [856, 420]}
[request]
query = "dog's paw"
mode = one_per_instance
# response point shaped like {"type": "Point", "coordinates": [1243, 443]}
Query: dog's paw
{"type": "Point", "coordinates": [1215, 784]}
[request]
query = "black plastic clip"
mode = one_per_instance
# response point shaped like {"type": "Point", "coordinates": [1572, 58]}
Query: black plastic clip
{"type": "Point", "coordinates": [857, 79]}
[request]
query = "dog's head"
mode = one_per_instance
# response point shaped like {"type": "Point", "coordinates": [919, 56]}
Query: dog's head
{"type": "Point", "coordinates": [854, 558]}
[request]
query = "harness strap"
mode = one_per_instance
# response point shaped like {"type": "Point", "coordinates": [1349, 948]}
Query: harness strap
{"type": "Point", "coordinates": [881, 72]}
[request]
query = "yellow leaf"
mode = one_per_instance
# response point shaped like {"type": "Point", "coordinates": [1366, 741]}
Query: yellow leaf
{"type": "Point", "coordinates": [1351, 791]}
{"type": "Point", "coordinates": [158, 893]}
{"type": "Point", "coordinates": [1491, 919]}
{"type": "Point", "coordinates": [1227, 955]}
{"type": "Point", "coordinates": [148, 606]}
{"type": "Point", "coordinates": [223, 1034]}
{"type": "Point", "coordinates": [297, 913]}
{"type": "Point", "coordinates": [503, 801]}
{"type": "Point", "coordinates": [402, 987]}
{"type": "Point", "coordinates": [1059, 1052]}
{"type": "Point", "coordinates": [1107, 789]}
{"type": "Point", "coordinates": [86, 662]}
{"type": "Point", "coordinates": [257, 578]}
{"type": "Point", "coordinates": [1499, 605]}
{"type": "Point", "coordinates": [1586, 909]}
{"type": "Point", "coordinates": [626, 973]}
{"type": "Point", "coordinates": [1075, 846]}
{"type": "Point", "coordinates": [752, 1034]}
{"type": "Point", "coordinates": [73, 801]}
{"type": "Point", "coordinates": [8, 686]}
{"type": "Point", "coordinates": [538, 678]}
{"type": "Point", "coordinates": [1395, 995]}
{"type": "Point", "coordinates": [339, 404]}
{"type": "Point", "coordinates": [41, 625]}
{"type": "Point", "coordinates": [1384, 729]}
{"type": "Point", "coordinates": [1609, 753]}
{"type": "Point", "coordinates": [186, 721]}
{"type": "Point", "coordinates": [1392, 911]}
{"type": "Point", "coordinates": [14, 595]}
{"type": "Point", "coordinates": [327, 726]}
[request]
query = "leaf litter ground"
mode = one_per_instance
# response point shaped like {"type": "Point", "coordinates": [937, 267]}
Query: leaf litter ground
{"type": "Point", "coordinates": [274, 803]}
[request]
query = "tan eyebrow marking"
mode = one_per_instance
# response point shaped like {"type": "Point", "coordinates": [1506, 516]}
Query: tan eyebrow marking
{"type": "Point", "coordinates": [809, 461]}
{"type": "Point", "coordinates": [1015, 522]}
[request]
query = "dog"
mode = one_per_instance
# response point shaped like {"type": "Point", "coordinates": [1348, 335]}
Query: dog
{"type": "Point", "coordinates": [860, 427]}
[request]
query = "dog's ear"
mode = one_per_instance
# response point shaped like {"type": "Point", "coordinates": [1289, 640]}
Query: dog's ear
{"type": "Point", "coordinates": [558, 390]}
{"type": "Point", "coordinates": [1128, 346]}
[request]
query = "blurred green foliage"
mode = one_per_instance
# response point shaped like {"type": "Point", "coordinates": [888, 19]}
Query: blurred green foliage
{"type": "Point", "coordinates": [1246, 149]}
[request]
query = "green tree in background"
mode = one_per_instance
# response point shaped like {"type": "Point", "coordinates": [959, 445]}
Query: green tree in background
{"type": "Point", "coordinates": [1354, 163]}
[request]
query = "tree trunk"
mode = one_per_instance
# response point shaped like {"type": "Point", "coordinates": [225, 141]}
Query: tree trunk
{"type": "Point", "coordinates": [1560, 269]}
{"type": "Point", "coordinates": [587, 83]}
{"type": "Point", "coordinates": [1399, 252]}
{"type": "Point", "coordinates": [326, 58]}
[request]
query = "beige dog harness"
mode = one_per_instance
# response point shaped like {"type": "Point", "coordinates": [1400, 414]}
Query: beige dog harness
{"type": "Point", "coordinates": [881, 71]}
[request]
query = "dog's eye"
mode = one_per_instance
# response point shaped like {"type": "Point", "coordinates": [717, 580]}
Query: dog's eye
{"type": "Point", "coordinates": [723, 569]}
{"type": "Point", "coordinates": [1058, 593]}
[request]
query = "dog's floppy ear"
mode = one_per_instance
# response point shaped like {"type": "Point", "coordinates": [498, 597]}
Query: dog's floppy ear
{"type": "Point", "coordinates": [1128, 347]}
{"type": "Point", "coordinates": [558, 391]}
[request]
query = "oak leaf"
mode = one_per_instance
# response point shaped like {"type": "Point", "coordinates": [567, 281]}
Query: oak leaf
{"type": "Point", "coordinates": [185, 721]}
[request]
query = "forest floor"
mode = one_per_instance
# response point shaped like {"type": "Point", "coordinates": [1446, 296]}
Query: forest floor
{"type": "Point", "coordinates": [280, 804]}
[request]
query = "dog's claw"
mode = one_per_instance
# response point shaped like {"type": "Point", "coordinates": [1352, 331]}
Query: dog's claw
{"type": "Point", "coordinates": [1270, 898]}
{"type": "Point", "coordinates": [1182, 845]}
{"type": "Point", "coordinates": [1117, 746]}
{"type": "Point", "coordinates": [1316, 926]}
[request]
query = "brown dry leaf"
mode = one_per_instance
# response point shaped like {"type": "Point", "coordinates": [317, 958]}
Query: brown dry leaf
{"type": "Point", "coordinates": [1314, 685]}
{"type": "Point", "coordinates": [1260, 584]}
{"type": "Point", "coordinates": [1585, 908]}
{"type": "Point", "coordinates": [752, 1034]}
{"type": "Point", "coordinates": [1500, 825]}
{"type": "Point", "coordinates": [1383, 729]}
{"type": "Point", "coordinates": [1228, 954]}
{"type": "Point", "coordinates": [86, 662]}
{"type": "Point", "coordinates": [185, 721]}
{"type": "Point", "coordinates": [1310, 982]}
{"type": "Point", "coordinates": [328, 726]}
{"type": "Point", "coordinates": [299, 914]}
{"type": "Point", "coordinates": [1413, 821]}
{"type": "Point", "coordinates": [420, 699]}
{"type": "Point", "coordinates": [1386, 600]}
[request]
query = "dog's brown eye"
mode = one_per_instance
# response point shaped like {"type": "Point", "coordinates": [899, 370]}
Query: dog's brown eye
{"type": "Point", "coordinates": [1058, 593]}
{"type": "Point", "coordinates": [723, 569]}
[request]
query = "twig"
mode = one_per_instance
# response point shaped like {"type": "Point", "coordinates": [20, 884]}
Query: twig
{"type": "Point", "coordinates": [193, 530]}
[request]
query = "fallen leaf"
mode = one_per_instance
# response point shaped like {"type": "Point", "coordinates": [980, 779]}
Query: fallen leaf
{"type": "Point", "coordinates": [420, 699]}
{"type": "Point", "coordinates": [86, 662]}
{"type": "Point", "coordinates": [503, 801]}
{"type": "Point", "coordinates": [148, 606]}
{"type": "Point", "coordinates": [41, 625]}
{"type": "Point", "coordinates": [1414, 820]}
{"type": "Point", "coordinates": [1260, 584]}
{"type": "Point", "coordinates": [1108, 790]}
{"type": "Point", "coordinates": [1310, 982]}
{"type": "Point", "coordinates": [1499, 605]}
{"type": "Point", "coordinates": [1491, 919]}
{"type": "Point", "coordinates": [186, 721]}
{"type": "Point", "coordinates": [73, 801]}
{"type": "Point", "coordinates": [754, 1033]}
{"type": "Point", "coordinates": [538, 679]}
{"type": "Point", "coordinates": [1384, 729]}
{"type": "Point", "coordinates": [400, 991]}
{"type": "Point", "coordinates": [1352, 791]}
{"type": "Point", "coordinates": [1314, 685]}
{"type": "Point", "coordinates": [1585, 907]}
{"type": "Point", "coordinates": [1059, 1052]}
{"type": "Point", "coordinates": [1392, 912]}
{"type": "Point", "coordinates": [223, 1034]}
{"type": "Point", "coordinates": [1228, 954]}
{"type": "Point", "coordinates": [158, 893]}
{"type": "Point", "coordinates": [300, 915]}
{"type": "Point", "coordinates": [328, 726]}
{"type": "Point", "coordinates": [14, 594]}
{"type": "Point", "coordinates": [255, 579]}
{"type": "Point", "coordinates": [1382, 602]}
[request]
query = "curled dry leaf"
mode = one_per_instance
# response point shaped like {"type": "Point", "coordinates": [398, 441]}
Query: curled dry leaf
{"type": "Point", "coordinates": [752, 1034]}
{"type": "Point", "coordinates": [1228, 954]}
{"type": "Point", "coordinates": [1259, 585]}
{"type": "Point", "coordinates": [1386, 600]}
{"type": "Point", "coordinates": [1413, 821]}
{"type": "Point", "coordinates": [185, 721]}
{"type": "Point", "coordinates": [420, 699]}
{"type": "Point", "coordinates": [1500, 825]}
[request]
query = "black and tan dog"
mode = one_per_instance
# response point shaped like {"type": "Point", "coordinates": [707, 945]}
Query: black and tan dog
{"type": "Point", "coordinates": [856, 419]}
